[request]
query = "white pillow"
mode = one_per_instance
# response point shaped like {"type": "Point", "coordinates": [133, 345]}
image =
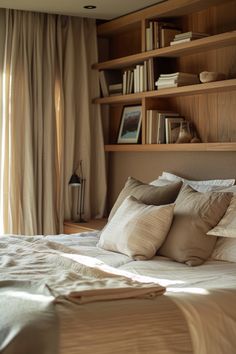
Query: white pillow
{"type": "Point", "coordinates": [200, 186]}
{"type": "Point", "coordinates": [161, 182]}
{"type": "Point", "coordinates": [136, 229]}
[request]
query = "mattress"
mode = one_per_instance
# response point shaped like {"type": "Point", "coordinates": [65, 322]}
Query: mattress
{"type": "Point", "coordinates": [197, 314]}
{"type": "Point", "coordinates": [205, 296]}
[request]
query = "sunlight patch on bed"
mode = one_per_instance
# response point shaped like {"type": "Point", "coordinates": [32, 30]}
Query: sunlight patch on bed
{"type": "Point", "coordinates": [93, 262]}
{"type": "Point", "coordinates": [199, 291]}
{"type": "Point", "coordinates": [27, 296]}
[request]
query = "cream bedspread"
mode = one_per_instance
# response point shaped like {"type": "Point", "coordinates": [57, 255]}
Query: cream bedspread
{"type": "Point", "coordinates": [28, 321]}
{"type": "Point", "coordinates": [36, 262]}
{"type": "Point", "coordinates": [197, 314]}
{"type": "Point", "coordinates": [205, 295]}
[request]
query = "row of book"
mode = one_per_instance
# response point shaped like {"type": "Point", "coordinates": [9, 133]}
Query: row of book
{"type": "Point", "coordinates": [176, 79]}
{"type": "Point", "coordinates": [187, 37]}
{"type": "Point", "coordinates": [140, 78]}
{"type": "Point", "coordinates": [160, 34]}
{"type": "Point", "coordinates": [162, 127]}
{"type": "Point", "coordinates": [137, 79]}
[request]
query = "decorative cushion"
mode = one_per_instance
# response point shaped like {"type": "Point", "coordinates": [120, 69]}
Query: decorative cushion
{"type": "Point", "coordinates": [200, 186]}
{"type": "Point", "coordinates": [194, 215]}
{"type": "Point", "coordinates": [225, 250]}
{"type": "Point", "coordinates": [136, 229]}
{"type": "Point", "coordinates": [227, 225]}
{"type": "Point", "coordinates": [147, 194]}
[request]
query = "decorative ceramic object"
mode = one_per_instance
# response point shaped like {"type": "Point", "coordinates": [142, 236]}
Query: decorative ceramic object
{"type": "Point", "coordinates": [184, 133]}
{"type": "Point", "coordinates": [209, 76]}
{"type": "Point", "coordinates": [195, 140]}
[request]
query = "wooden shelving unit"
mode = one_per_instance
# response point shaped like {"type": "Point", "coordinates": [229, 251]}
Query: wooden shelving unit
{"type": "Point", "coordinates": [209, 43]}
{"type": "Point", "coordinates": [170, 147]}
{"type": "Point", "coordinates": [217, 86]}
{"type": "Point", "coordinates": [210, 106]}
{"type": "Point", "coordinates": [171, 8]}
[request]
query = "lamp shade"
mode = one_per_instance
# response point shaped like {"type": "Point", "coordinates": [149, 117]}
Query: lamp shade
{"type": "Point", "coordinates": [75, 180]}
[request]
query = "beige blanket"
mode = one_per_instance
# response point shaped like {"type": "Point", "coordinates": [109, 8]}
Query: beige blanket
{"type": "Point", "coordinates": [34, 272]}
{"type": "Point", "coordinates": [28, 321]}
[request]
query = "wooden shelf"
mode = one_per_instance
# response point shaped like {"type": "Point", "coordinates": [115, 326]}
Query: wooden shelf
{"type": "Point", "coordinates": [215, 86]}
{"type": "Point", "coordinates": [161, 10]}
{"type": "Point", "coordinates": [195, 46]}
{"type": "Point", "coordinates": [171, 147]}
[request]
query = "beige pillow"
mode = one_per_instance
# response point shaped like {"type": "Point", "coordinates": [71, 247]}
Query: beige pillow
{"type": "Point", "coordinates": [194, 215]}
{"type": "Point", "coordinates": [137, 229]}
{"type": "Point", "coordinates": [225, 249]}
{"type": "Point", "coordinates": [147, 194]}
{"type": "Point", "coordinates": [227, 225]}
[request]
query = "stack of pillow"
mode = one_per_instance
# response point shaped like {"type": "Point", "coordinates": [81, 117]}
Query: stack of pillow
{"type": "Point", "coordinates": [172, 217]}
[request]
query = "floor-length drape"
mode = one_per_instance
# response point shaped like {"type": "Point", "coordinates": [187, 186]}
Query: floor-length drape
{"type": "Point", "coordinates": [47, 121]}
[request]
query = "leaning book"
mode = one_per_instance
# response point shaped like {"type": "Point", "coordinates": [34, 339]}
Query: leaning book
{"type": "Point", "coordinates": [107, 78]}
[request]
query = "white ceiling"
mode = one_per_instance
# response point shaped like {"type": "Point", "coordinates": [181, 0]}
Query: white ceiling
{"type": "Point", "coordinates": [106, 9]}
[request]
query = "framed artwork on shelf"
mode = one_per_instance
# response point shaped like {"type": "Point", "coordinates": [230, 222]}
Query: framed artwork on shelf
{"type": "Point", "coordinates": [130, 125]}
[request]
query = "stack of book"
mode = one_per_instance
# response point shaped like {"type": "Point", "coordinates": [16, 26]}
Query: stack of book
{"type": "Point", "coordinates": [176, 79]}
{"type": "Point", "coordinates": [110, 82]}
{"type": "Point", "coordinates": [160, 34]}
{"type": "Point", "coordinates": [115, 89]}
{"type": "Point", "coordinates": [187, 37]}
{"type": "Point", "coordinates": [162, 127]}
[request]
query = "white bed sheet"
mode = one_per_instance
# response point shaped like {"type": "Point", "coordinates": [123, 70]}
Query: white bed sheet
{"type": "Point", "coordinates": [196, 315]}
{"type": "Point", "coordinates": [206, 295]}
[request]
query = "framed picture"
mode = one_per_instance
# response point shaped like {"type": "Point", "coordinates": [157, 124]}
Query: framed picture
{"type": "Point", "coordinates": [130, 125]}
{"type": "Point", "coordinates": [172, 127]}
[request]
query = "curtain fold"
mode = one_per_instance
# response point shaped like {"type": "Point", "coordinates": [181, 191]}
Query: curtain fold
{"type": "Point", "coordinates": [47, 122]}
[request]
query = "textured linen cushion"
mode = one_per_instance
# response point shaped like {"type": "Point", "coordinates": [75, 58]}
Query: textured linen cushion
{"type": "Point", "coordinates": [147, 194]}
{"type": "Point", "coordinates": [200, 186]}
{"type": "Point", "coordinates": [137, 229]}
{"type": "Point", "coordinates": [195, 214]}
{"type": "Point", "coordinates": [227, 225]}
{"type": "Point", "coordinates": [225, 250]}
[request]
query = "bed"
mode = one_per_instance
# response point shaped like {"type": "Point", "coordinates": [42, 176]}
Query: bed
{"type": "Point", "coordinates": [195, 312]}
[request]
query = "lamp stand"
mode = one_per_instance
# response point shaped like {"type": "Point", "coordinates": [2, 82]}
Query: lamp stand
{"type": "Point", "coordinates": [80, 203]}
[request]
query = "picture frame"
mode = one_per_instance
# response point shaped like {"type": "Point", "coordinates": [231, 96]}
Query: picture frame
{"type": "Point", "coordinates": [130, 125]}
{"type": "Point", "coordinates": [172, 127]}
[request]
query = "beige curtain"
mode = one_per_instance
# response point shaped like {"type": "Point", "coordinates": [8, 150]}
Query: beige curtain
{"type": "Point", "coordinates": [47, 122]}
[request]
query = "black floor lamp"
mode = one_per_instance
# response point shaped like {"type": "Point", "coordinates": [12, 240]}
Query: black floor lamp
{"type": "Point", "coordinates": [78, 180]}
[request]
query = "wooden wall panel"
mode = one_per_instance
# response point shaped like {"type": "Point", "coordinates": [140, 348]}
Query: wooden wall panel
{"type": "Point", "coordinates": [216, 19]}
{"type": "Point", "coordinates": [125, 43]}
